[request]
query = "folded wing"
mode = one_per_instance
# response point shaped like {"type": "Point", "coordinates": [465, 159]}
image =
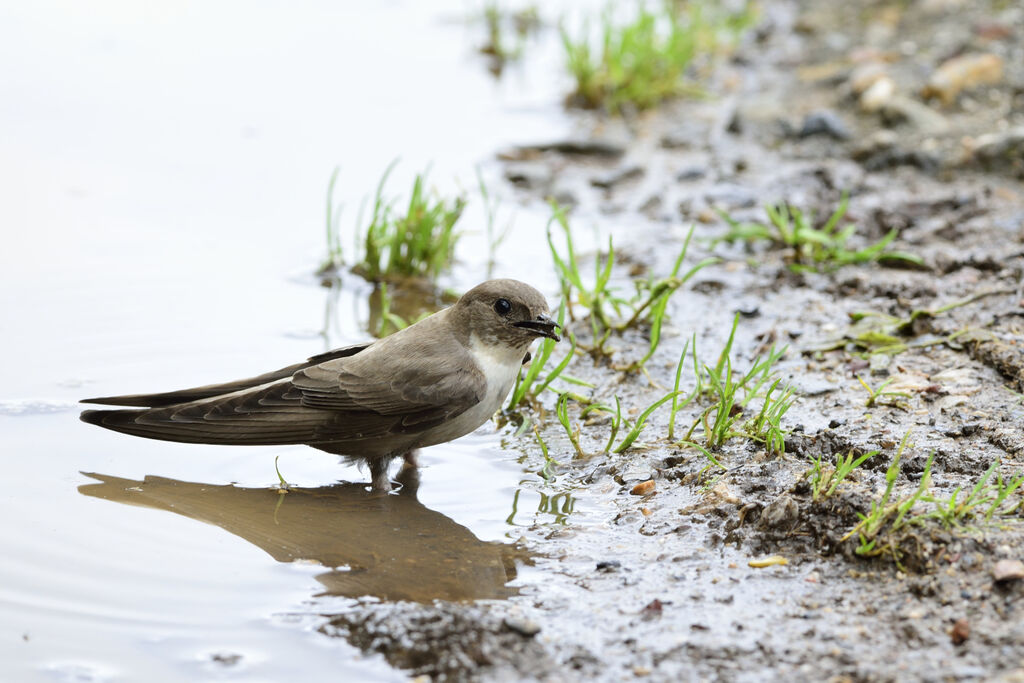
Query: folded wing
{"type": "Point", "coordinates": [358, 397]}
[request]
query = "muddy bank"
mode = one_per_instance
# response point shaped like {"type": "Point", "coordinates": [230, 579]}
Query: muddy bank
{"type": "Point", "coordinates": [661, 584]}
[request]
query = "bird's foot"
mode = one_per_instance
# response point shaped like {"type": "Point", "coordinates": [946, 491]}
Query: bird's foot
{"type": "Point", "coordinates": [411, 459]}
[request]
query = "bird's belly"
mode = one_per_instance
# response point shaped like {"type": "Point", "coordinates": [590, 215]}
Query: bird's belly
{"type": "Point", "coordinates": [473, 417]}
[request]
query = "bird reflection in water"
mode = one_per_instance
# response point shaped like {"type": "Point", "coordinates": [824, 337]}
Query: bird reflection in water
{"type": "Point", "coordinates": [388, 546]}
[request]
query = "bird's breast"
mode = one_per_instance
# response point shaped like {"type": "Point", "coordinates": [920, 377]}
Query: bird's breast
{"type": "Point", "coordinates": [500, 366]}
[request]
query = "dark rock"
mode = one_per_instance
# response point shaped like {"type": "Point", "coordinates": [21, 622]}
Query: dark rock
{"type": "Point", "coordinates": [529, 176]}
{"type": "Point", "coordinates": [617, 177]}
{"type": "Point", "coordinates": [692, 173]}
{"type": "Point", "coordinates": [891, 158]}
{"type": "Point", "coordinates": [731, 195]}
{"type": "Point", "coordinates": [824, 122]}
{"type": "Point", "coordinates": [589, 148]}
{"type": "Point", "coordinates": [608, 566]}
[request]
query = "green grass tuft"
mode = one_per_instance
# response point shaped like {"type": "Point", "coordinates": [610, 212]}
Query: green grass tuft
{"type": "Point", "coordinates": [640, 63]}
{"type": "Point", "coordinates": [417, 242]}
{"type": "Point", "coordinates": [812, 248]}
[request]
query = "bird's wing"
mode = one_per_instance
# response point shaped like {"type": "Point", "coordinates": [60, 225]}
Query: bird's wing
{"type": "Point", "coordinates": [336, 400]}
{"type": "Point", "coordinates": [411, 394]}
{"type": "Point", "coordinates": [199, 393]}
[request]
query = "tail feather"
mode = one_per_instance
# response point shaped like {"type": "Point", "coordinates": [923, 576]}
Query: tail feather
{"type": "Point", "coordinates": [143, 423]}
{"type": "Point", "coordinates": [170, 398]}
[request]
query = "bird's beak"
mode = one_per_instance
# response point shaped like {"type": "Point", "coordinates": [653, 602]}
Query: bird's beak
{"type": "Point", "coordinates": [542, 326]}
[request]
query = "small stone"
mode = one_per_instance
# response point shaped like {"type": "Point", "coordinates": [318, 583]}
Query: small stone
{"type": "Point", "coordinates": [226, 659]}
{"type": "Point", "coordinates": [1008, 570]}
{"type": "Point", "coordinates": [643, 488]}
{"type": "Point", "coordinates": [524, 627]}
{"type": "Point", "coordinates": [652, 609]}
{"type": "Point", "coordinates": [961, 631]}
{"type": "Point", "coordinates": [608, 566]}
{"type": "Point", "coordinates": [731, 196]}
{"type": "Point", "coordinates": [617, 177]}
{"type": "Point", "coordinates": [530, 176]}
{"type": "Point", "coordinates": [691, 173]}
{"type": "Point", "coordinates": [963, 72]}
{"type": "Point", "coordinates": [878, 95]}
{"type": "Point", "coordinates": [824, 122]}
{"type": "Point", "coordinates": [864, 76]}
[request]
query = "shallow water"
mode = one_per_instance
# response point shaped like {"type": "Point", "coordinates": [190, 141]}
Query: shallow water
{"type": "Point", "coordinates": [164, 173]}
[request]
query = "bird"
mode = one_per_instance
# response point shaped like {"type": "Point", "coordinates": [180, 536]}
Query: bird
{"type": "Point", "coordinates": [429, 383]}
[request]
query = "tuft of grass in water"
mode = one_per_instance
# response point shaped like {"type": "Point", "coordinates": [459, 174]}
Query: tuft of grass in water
{"type": "Point", "coordinates": [388, 322]}
{"type": "Point", "coordinates": [334, 259]}
{"type": "Point", "coordinates": [418, 241]}
{"type": "Point", "coordinates": [812, 248]}
{"type": "Point", "coordinates": [547, 472]}
{"type": "Point", "coordinates": [639, 63]}
{"type": "Point", "coordinates": [507, 32]}
{"type": "Point", "coordinates": [826, 479]}
{"type": "Point", "coordinates": [283, 485]}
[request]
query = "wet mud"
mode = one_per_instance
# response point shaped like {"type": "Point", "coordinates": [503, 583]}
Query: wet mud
{"type": "Point", "coordinates": [668, 580]}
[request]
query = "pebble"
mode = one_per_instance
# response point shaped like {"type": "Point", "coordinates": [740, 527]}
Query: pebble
{"type": "Point", "coordinates": [643, 488]}
{"type": "Point", "coordinates": [1008, 570]}
{"type": "Point", "coordinates": [963, 72]}
{"type": "Point", "coordinates": [524, 627]}
{"type": "Point", "coordinates": [824, 122]}
{"type": "Point", "coordinates": [961, 631]}
{"type": "Point", "coordinates": [617, 177]}
{"type": "Point", "coordinates": [878, 95]}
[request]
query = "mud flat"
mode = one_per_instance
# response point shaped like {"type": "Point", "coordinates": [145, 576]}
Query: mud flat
{"type": "Point", "coordinates": [750, 571]}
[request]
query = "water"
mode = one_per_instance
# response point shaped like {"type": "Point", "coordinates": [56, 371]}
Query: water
{"type": "Point", "coordinates": [163, 172]}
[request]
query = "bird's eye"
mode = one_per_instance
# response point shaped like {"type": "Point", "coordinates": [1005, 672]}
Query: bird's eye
{"type": "Point", "coordinates": [502, 307]}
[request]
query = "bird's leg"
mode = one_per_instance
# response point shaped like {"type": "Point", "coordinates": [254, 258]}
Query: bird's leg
{"type": "Point", "coordinates": [411, 459]}
{"type": "Point", "coordinates": [379, 475]}
{"type": "Point", "coordinates": [409, 478]}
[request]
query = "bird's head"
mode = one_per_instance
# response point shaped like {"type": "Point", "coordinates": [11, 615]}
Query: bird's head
{"type": "Point", "coordinates": [507, 311]}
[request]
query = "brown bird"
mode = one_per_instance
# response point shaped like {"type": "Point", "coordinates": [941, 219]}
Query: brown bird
{"type": "Point", "coordinates": [430, 383]}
